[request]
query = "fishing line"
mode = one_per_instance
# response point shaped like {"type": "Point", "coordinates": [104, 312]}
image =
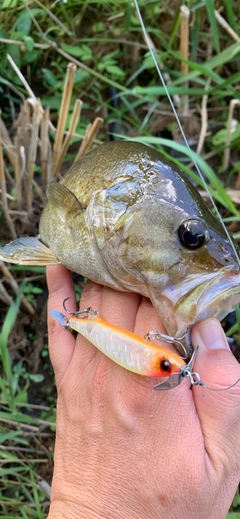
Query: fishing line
{"type": "Point", "coordinates": [181, 128]}
{"type": "Point", "coordinates": [195, 380]}
{"type": "Point", "coordinates": [222, 388]}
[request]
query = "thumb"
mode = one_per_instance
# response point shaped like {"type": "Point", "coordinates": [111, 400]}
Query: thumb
{"type": "Point", "coordinates": [218, 411]}
{"type": "Point", "coordinates": [61, 342]}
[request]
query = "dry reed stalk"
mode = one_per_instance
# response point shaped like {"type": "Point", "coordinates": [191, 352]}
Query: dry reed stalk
{"type": "Point", "coordinates": [15, 287]}
{"type": "Point", "coordinates": [204, 119]}
{"type": "Point", "coordinates": [46, 163]}
{"type": "Point", "coordinates": [33, 153]}
{"type": "Point", "coordinates": [4, 194]}
{"type": "Point", "coordinates": [25, 124]}
{"type": "Point", "coordinates": [226, 26]}
{"type": "Point", "coordinates": [43, 46]}
{"type": "Point", "coordinates": [55, 19]}
{"type": "Point", "coordinates": [24, 426]}
{"type": "Point", "coordinates": [73, 124]}
{"type": "Point", "coordinates": [39, 192]}
{"type": "Point", "coordinates": [8, 145]}
{"type": "Point", "coordinates": [64, 109]}
{"type": "Point", "coordinates": [89, 137]}
{"type": "Point", "coordinates": [184, 52]}
{"type": "Point", "coordinates": [4, 296]}
{"type": "Point", "coordinates": [233, 103]}
{"type": "Point", "coordinates": [22, 78]}
{"type": "Point", "coordinates": [25, 111]}
{"type": "Point", "coordinates": [20, 166]}
{"type": "Point", "coordinates": [234, 194]}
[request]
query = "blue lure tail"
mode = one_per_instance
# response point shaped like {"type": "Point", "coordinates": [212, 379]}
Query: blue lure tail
{"type": "Point", "coordinates": [61, 318]}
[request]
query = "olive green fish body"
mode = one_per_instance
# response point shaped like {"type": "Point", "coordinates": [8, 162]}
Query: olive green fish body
{"type": "Point", "coordinates": [124, 217]}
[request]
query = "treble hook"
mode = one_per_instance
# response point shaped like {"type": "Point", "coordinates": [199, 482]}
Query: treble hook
{"type": "Point", "coordinates": [88, 310]}
{"type": "Point", "coordinates": [154, 335]}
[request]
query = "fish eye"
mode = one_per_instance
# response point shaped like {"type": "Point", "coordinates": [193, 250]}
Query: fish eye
{"type": "Point", "coordinates": [192, 234]}
{"type": "Point", "coordinates": [166, 366]}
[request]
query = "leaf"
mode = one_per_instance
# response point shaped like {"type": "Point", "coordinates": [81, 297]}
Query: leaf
{"type": "Point", "coordinates": [37, 290]}
{"type": "Point", "coordinates": [13, 436]}
{"type": "Point", "coordinates": [29, 42]}
{"type": "Point", "coordinates": [70, 49]}
{"type": "Point", "coordinates": [19, 417]}
{"type": "Point", "coordinates": [9, 4]}
{"type": "Point", "coordinates": [50, 77]}
{"type": "Point", "coordinates": [84, 52]}
{"type": "Point", "coordinates": [22, 396]}
{"type": "Point", "coordinates": [15, 53]}
{"type": "Point", "coordinates": [37, 378]}
{"type": "Point", "coordinates": [32, 56]}
{"type": "Point", "coordinates": [99, 27]}
{"type": "Point", "coordinates": [236, 500]}
{"type": "Point", "coordinates": [219, 138]}
{"type": "Point", "coordinates": [231, 17]}
{"type": "Point", "coordinates": [52, 101]}
{"type": "Point", "coordinates": [212, 18]}
{"type": "Point", "coordinates": [6, 329]}
{"type": "Point", "coordinates": [115, 70]}
{"type": "Point", "coordinates": [80, 76]}
{"type": "Point", "coordinates": [24, 22]}
{"type": "Point", "coordinates": [220, 59]}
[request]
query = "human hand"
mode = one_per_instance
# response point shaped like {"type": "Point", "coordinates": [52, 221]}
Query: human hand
{"type": "Point", "coordinates": [124, 450]}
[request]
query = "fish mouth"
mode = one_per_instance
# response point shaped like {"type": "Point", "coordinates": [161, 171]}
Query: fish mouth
{"type": "Point", "coordinates": [220, 297]}
{"type": "Point", "coordinates": [199, 296]}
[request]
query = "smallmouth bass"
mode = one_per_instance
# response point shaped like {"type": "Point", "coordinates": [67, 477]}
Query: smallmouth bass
{"type": "Point", "coordinates": [124, 217]}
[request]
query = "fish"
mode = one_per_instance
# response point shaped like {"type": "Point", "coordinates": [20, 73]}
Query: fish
{"type": "Point", "coordinates": [125, 217]}
{"type": "Point", "coordinates": [125, 348]}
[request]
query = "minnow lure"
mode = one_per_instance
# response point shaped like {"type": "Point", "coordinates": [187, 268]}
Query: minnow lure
{"type": "Point", "coordinates": [133, 353]}
{"type": "Point", "coordinates": [123, 347]}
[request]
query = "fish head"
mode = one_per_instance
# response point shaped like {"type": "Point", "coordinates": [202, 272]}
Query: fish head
{"type": "Point", "coordinates": [156, 232]}
{"type": "Point", "coordinates": [187, 263]}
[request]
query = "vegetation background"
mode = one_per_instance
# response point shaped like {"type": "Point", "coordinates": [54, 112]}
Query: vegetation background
{"type": "Point", "coordinates": [116, 80]}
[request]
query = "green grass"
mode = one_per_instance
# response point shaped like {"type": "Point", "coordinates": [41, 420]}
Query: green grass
{"type": "Point", "coordinates": [21, 452]}
{"type": "Point", "coordinates": [115, 77]}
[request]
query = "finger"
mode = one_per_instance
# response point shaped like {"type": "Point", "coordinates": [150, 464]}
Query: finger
{"type": "Point", "coordinates": [118, 308]}
{"type": "Point", "coordinates": [219, 411]}
{"type": "Point", "coordinates": [61, 342]}
{"type": "Point", "coordinates": [92, 296]}
{"type": "Point", "coordinates": [148, 319]}
{"type": "Point", "coordinates": [85, 352]}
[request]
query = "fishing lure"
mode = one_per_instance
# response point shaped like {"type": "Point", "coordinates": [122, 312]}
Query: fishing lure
{"type": "Point", "coordinates": [123, 347]}
{"type": "Point", "coordinates": [133, 353]}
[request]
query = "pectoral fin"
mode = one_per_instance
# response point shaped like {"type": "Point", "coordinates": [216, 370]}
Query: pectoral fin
{"type": "Point", "coordinates": [62, 200]}
{"type": "Point", "coordinates": [28, 251]}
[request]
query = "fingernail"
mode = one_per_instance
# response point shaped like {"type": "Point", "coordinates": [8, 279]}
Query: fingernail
{"type": "Point", "coordinates": [210, 333]}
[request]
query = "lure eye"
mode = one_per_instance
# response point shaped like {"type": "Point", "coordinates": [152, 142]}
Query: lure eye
{"type": "Point", "coordinates": [166, 366]}
{"type": "Point", "coordinates": [192, 234]}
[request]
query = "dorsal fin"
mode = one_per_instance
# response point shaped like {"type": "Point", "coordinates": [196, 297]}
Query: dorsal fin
{"type": "Point", "coordinates": [62, 200]}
